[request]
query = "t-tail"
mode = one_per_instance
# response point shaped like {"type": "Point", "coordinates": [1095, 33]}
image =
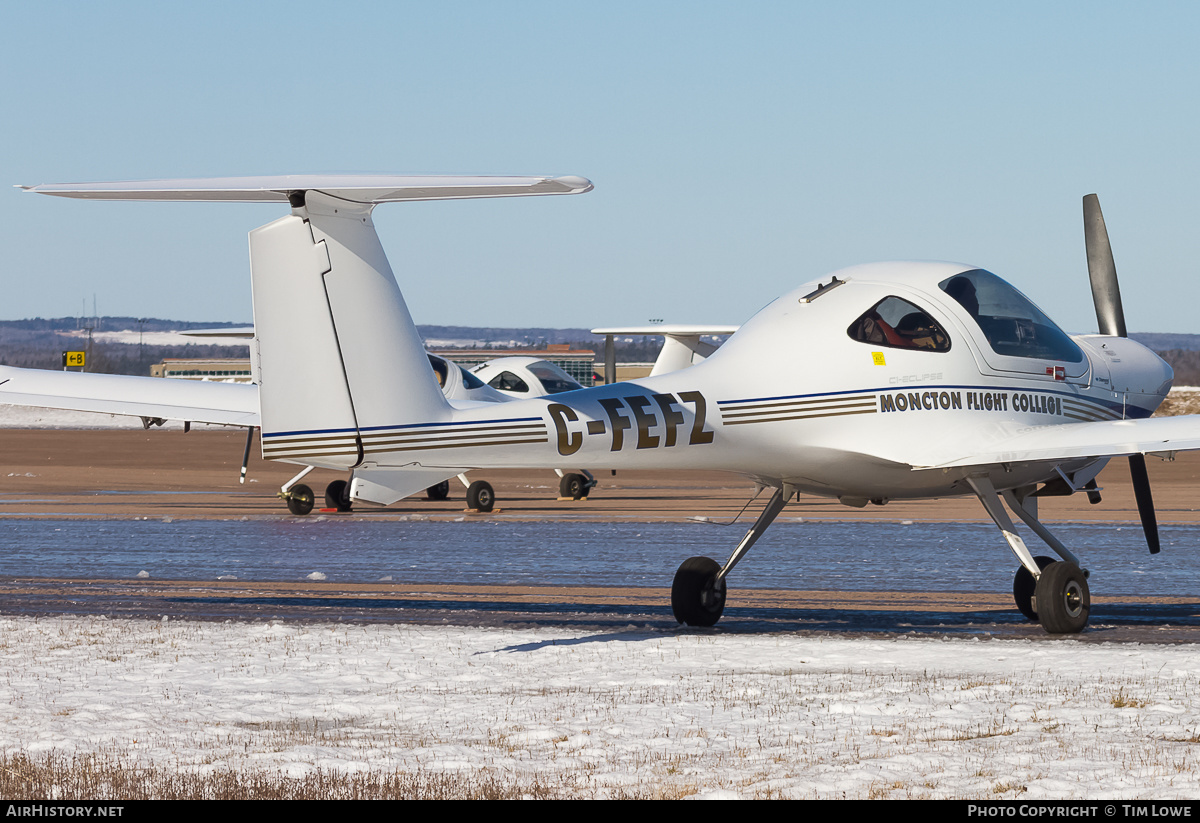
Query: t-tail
{"type": "Point", "coordinates": [341, 366]}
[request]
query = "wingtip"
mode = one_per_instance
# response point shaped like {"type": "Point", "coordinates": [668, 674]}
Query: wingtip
{"type": "Point", "coordinates": [577, 184]}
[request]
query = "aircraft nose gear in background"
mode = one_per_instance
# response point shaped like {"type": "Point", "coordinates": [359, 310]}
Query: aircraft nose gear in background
{"type": "Point", "coordinates": [337, 496]}
{"type": "Point", "coordinates": [576, 486]}
{"type": "Point", "coordinates": [480, 496]}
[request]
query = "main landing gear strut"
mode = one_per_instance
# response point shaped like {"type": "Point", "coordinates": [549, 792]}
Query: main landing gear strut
{"type": "Point", "coordinates": [698, 592]}
{"type": "Point", "coordinates": [1051, 592]}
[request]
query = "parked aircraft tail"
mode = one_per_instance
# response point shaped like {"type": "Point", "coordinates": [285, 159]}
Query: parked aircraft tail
{"type": "Point", "coordinates": [343, 371]}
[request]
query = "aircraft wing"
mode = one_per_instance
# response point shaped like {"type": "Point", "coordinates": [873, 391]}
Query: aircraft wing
{"type": "Point", "coordinates": [1106, 438]}
{"type": "Point", "coordinates": [669, 330]}
{"type": "Point", "coordinates": [232, 404]}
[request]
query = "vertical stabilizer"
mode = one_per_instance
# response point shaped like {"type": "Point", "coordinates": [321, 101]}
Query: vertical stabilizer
{"type": "Point", "coordinates": [339, 354]}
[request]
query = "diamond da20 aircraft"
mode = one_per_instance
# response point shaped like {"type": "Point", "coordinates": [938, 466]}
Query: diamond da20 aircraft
{"type": "Point", "coordinates": [879, 382]}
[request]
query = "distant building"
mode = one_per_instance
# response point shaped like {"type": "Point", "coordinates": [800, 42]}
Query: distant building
{"type": "Point", "coordinates": [233, 370]}
{"type": "Point", "coordinates": [632, 371]}
{"type": "Point", "coordinates": [579, 363]}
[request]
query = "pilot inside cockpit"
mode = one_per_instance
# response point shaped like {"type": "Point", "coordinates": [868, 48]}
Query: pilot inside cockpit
{"type": "Point", "coordinates": [898, 324]}
{"type": "Point", "coordinates": [1010, 322]}
{"type": "Point", "coordinates": [963, 290]}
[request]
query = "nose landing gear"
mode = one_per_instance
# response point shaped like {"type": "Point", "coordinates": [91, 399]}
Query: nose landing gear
{"type": "Point", "coordinates": [1052, 592]}
{"type": "Point", "coordinates": [698, 591]}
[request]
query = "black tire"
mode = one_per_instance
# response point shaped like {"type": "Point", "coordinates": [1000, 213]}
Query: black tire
{"type": "Point", "coordinates": [337, 496]}
{"type": "Point", "coordinates": [300, 499]}
{"type": "Point", "coordinates": [438, 492]}
{"type": "Point", "coordinates": [697, 597]}
{"type": "Point", "coordinates": [1024, 585]}
{"type": "Point", "coordinates": [1063, 599]}
{"type": "Point", "coordinates": [480, 496]}
{"type": "Point", "coordinates": [574, 486]}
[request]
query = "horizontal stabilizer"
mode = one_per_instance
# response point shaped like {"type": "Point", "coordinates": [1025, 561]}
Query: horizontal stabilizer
{"type": "Point", "coordinates": [383, 487]}
{"type": "Point", "coordinates": [682, 346]}
{"type": "Point", "coordinates": [231, 404]}
{"type": "Point", "coordinates": [232, 333]}
{"type": "Point", "coordinates": [358, 188]}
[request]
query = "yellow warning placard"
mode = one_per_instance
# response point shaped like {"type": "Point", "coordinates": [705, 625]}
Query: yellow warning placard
{"type": "Point", "coordinates": [877, 356]}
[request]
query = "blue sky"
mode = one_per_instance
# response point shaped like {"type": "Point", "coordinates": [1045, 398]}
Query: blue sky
{"type": "Point", "coordinates": [738, 149]}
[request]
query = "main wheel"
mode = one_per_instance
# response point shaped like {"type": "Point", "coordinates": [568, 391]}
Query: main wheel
{"type": "Point", "coordinates": [1063, 599]}
{"type": "Point", "coordinates": [1024, 584]}
{"type": "Point", "coordinates": [574, 486]}
{"type": "Point", "coordinates": [480, 496]}
{"type": "Point", "coordinates": [337, 496]}
{"type": "Point", "coordinates": [439, 492]}
{"type": "Point", "coordinates": [300, 499]}
{"type": "Point", "coordinates": [697, 597]}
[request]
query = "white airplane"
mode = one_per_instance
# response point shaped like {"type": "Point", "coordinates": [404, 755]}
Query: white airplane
{"type": "Point", "coordinates": [887, 381]}
{"type": "Point", "coordinates": [521, 377]}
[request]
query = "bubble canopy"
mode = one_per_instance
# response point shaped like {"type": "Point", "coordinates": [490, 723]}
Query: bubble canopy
{"type": "Point", "coordinates": [1011, 323]}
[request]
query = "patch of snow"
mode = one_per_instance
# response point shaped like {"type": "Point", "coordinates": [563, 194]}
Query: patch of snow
{"type": "Point", "coordinates": [700, 714]}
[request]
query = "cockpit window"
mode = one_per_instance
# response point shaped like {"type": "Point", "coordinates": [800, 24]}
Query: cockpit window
{"type": "Point", "coordinates": [898, 324]}
{"type": "Point", "coordinates": [507, 381]}
{"type": "Point", "coordinates": [554, 379]}
{"type": "Point", "coordinates": [1011, 323]}
{"type": "Point", "coordinates": [470, 380]}
{"type": "Point", "coordinates": [439, 368]}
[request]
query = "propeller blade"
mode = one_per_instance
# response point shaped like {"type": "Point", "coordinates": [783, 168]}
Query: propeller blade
{"type": "Point", "coordinates": [1106, 294]}
{"type": "Point", "coordinates": [1145, 502]}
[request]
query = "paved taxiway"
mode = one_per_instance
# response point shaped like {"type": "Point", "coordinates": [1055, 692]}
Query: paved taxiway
{"type": "Point", "coordinates": [159, 474]}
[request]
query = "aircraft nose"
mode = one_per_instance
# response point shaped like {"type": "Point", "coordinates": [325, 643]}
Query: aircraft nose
{"type": "Point", "coordinates": [1140, 377]}
{"type": "Point", "coordinates": [1141, 371]}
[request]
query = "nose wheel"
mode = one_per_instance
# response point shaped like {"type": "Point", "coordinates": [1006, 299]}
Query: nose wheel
{"type": "Point", "coordinates": [1059, 598]}
{"type": "Point", "coordinates": [1062, 599]}
{"type": "Point", "coordinates": [480, 496]}
{"type": "Point", "coordinates": [697, 595]}
{"type": "Point", "coordinates": [574, 486]}
{"type": "Point", "coordinates": [698, 591]}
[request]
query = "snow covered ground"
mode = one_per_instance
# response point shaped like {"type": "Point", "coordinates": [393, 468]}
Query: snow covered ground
{"type": "Point", "coordinates": [691, 713]}
{"type": "Point", "coordinates": [133, 337]}
{"type": "Point", "coordinates": [34, 417]}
